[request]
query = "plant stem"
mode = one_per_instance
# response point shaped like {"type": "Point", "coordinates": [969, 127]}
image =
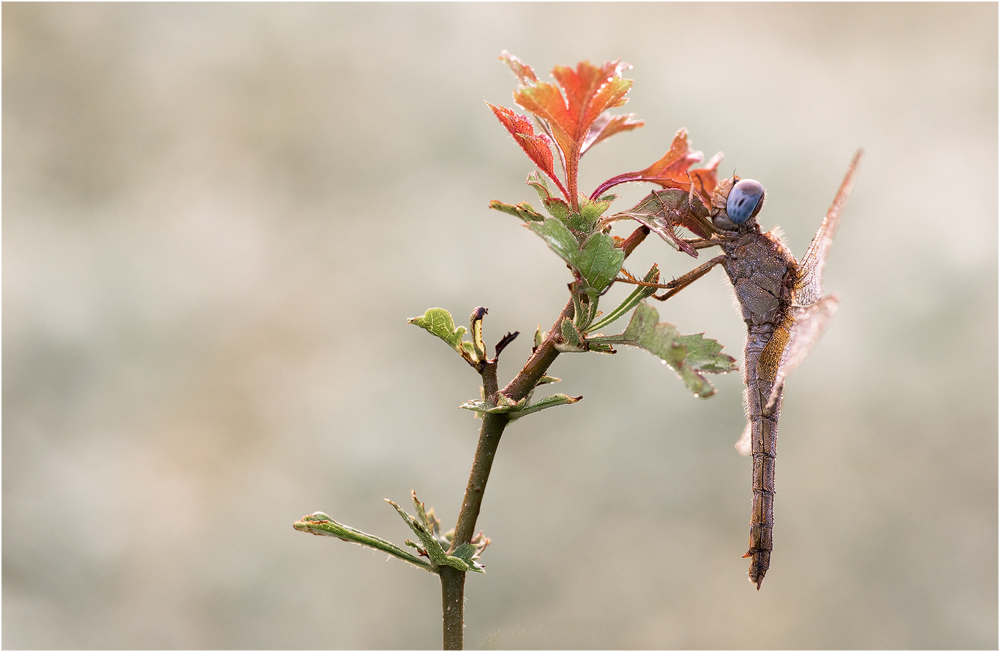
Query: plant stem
{"type": "Point", "coordinates": [453, 607]}
{"type": "Point", "coordinates": [453, 580]}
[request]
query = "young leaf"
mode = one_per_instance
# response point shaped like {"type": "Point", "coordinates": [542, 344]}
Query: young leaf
{"type": "Point", "coordinates": [569, 111]}
{"type": "Point", "coordinates": [522, 407]}
{"type": "Point", "coordinates": [437, 554]}
{"type": "Point", "coordinates": [536, 146]}
{"type": "Point", "coordinates": [608, 125]}
{"type": "Point", "coordinates": [599, 261]}
{"type": "Point", "coordinates": [572, 338]}
{"type": "Point", "coordinates": [476, 331]}
{"type": "Point", "coordinates": [321, 524]}
{"type": "Point", "coordinates": [521, 70]}
{"type": "Point", "coordinates": [591, 210]}
{"type": "Point", "coordinates": [556, 206]}
{"type": "Point", "coordinates": [671, 171]}
{"type": "Point", "coordinates": [559, 238]}
{"type": "Point", "coordinates": [438, 321]}
{"type": "Point", "coordinates": [524, 211]}
{"type": "Point", "coordinates": [704, 180]}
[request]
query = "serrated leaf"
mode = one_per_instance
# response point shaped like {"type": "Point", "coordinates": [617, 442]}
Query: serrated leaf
{"type": "Point", "coordinates": [587, 91]}
{"type": "Point", "coordinates": [662, 340]}
{"type": "Point", "coordinates": [521, 70]}
{"type": "Point", "coordinates": [438, 321]}
{"type": "Point", "coordinates": [671, 171]}
{"type": "Point", "coordinates": [705, 354]}
{"type": "Point", "coordinates": [599, 261]}
{"type": "Point", "coordinates": [559, 238]}
{"type": "Point", "coordinates": [608, 125]}
{"type": "Point", "coordinates": [538, 147]}
{"type": "Point", "coordinates": [704, 181]}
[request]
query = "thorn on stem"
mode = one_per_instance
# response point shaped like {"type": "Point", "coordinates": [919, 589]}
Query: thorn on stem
{"type": "Point", "coordinates": [504, 341]}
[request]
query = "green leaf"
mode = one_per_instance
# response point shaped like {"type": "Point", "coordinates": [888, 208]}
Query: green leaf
{"type": "Point", "coordinates": [584, 312]}
{"type": "Point", "coordinates": [599, 261]}
{"type": "Point", "coordinates": [706, 355]}
{"type": "Point", "coordinates": [520, 408]}
{"type": "Point", "coordinates": [547, 402]}
{"type": "Point", "coordinates": [572, 339]}
{"type": "Point", "coordinates": [559, 238]}
{"type": "Point", "coordinates": [435, 551]}
{"type": "Point", "coordinates": [321, 524]}
{"type": "Point", "coordinates": [438, 321]}
{"type": "Point", "coordinates": [591, 210]}
{"type": "Point", "coordinates": [556, 206]}
{"type": "Point", "coordinates": [484, 407]}
{"type": "Point", "coordinates": [539, 338]}
{"type": "Point", "coordinates": [662, 340]}
{"type": "Point", "coordinates": [640, 293]}
{"type": "Point", "coordinates": [524, 211]}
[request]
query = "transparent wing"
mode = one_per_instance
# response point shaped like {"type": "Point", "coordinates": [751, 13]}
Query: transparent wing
{"type": "Point", "coordinates": [809, 277]}
{"type": "Point", "coordinates": [745, 445]}
{"type": "Point", "coordinates": [807, 326]}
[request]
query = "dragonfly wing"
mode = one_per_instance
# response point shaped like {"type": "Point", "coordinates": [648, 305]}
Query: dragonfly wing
{"type": "Point", "coordinates": [806, 326]}
{"type": "Point", "coordinates": [745, 446]}
{"type": "Point", "coordinates": [809, 277]}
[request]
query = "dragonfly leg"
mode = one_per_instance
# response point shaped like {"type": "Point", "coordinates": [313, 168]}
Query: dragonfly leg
{"type": "Point", "coordinates": [679, 283]}
{"type": "Point", "coordinates": [702, 243]}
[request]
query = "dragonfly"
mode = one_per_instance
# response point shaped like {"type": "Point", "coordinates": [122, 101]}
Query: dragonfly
{"type": "Point", "coordinates": [782, 304]}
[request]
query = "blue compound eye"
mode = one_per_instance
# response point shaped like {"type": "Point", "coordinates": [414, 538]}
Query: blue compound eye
{"type": "Point", "coordinates": [745, 200]}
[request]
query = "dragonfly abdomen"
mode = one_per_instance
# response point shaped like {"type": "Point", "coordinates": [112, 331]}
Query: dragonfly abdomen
{"type": "Point", "coordinates": [764, 447]}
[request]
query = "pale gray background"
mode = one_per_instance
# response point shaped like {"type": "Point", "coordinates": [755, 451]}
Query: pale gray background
{"type": "Point", "coordinates": [217, 219]}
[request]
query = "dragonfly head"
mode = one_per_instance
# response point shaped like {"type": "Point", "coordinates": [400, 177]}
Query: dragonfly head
{"type": "Point", "coordinates": [736, 202]}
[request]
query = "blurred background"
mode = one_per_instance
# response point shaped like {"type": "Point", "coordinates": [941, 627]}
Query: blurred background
{"type": "Point", "coordinates": [218, 218]}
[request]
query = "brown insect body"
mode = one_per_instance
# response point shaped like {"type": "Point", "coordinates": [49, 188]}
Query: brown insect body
{"type": "Point", "coordinates": [762, 272]}
{"type": "Point", "coordinates": [785, 312]}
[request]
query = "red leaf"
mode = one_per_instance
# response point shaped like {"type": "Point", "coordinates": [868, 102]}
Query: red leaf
{"type": "Point", "coordinates": [587, 92]}
{"type": "Point", "coordinates": [520, 69]}
{"type": "Point", "coordinates": [608, 125]}
{"type": "Point", "coordinates": [704, 180]}
{"type": "Point", "coordinates": [671, 171]}
{"type": "Point", "coordinates": [570, 109]}
{"type": "Point", "coordinates": [536, 146]}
